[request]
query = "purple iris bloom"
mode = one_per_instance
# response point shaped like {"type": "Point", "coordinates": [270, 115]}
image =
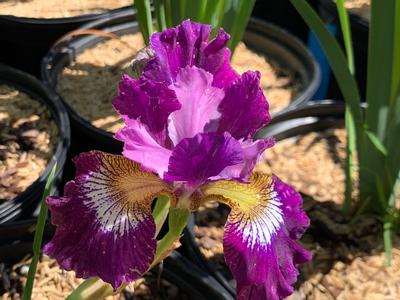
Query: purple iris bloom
{"type": "Point", "coordinates": [190, 119]}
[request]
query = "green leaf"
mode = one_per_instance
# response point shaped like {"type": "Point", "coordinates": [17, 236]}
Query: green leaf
{"type": "Point", "coordinates": [177, 220]}
{"type": "Point", "coordinates": [350, 151]}
{"type": "Point", "coordinates": [236, 17]}
{"type": "Point", "coordinates": [395, 192]}
{"type": "Point", "coordinates": [195, 9]}
{"type": "Point", "coordinates": [336, 60]}
{"type": "Point", "coordinates": [376, 142]}
{"type": "Point", "coordinates": [91, 289]}
{"type": "Point", "coordinates": [345, 25]}
{"type": "Point", "coordinates": [387, 240]}
{"type": "Point", "coordinates": [383, 63]}
{"type": "Point", "coordinates": [160, 211]}
{"type": "Point", "coordinates": [175, 12]}
{"type": "Point", "coordinates": [223, 6]}
{"type": "Point", "coordinates": [37, 242]}
{"type": "Point", "coordinates": [393, 138]}
{"type": "Point", "coordinates": [144, 18]}
{"type": "Point", "coordinates": [159, 8]}
{"type": "Point", "coordinates": [168, 14]}
{"type": "Point", "coordinates": [210, 12]}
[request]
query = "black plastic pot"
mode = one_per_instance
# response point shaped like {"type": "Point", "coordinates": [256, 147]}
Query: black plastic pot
{"type": "Point", "coordinates": [24, 41]}
{"type": "Point", "coordinates": [288, 52]}
{"type": "Point", "coordinates": [359, 28]}
{"type": "Point", "coordinates": [314, 116]}
{"type": "Point", "coordinates": [277, 44]}
{"type": "Point", "coordinates": [85, 136]}
{"type": "Point", "coordinates": [25, 203]}
{"type": "Point", "coordinates": [283, 14]}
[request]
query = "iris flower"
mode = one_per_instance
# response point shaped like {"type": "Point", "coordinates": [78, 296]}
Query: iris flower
{"type": "Point", "coordinates": [189, 126]}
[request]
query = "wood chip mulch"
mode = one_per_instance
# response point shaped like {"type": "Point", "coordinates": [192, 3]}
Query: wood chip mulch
{"type": "Point", "coordinates": [54, 283]}
{"type": "Point", "coordinates": [28, 137]}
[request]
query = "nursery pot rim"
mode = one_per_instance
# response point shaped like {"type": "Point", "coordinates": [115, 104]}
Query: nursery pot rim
{"type": "Point", "coordinates": [11, 209]}
{"type": "Point", "coordinates": [121, 22]}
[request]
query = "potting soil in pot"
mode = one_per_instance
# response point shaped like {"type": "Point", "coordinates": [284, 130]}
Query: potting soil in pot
{"type": "Point", "coordinates": [58, 8]}
{"type": "Point", "coordinates": [54, 283]}
{"type": "Point", "coordinates": [91, 83]}
{"type": "Point", "coordinates": [348, 259]}
{"type": "Point", "coordinates": [28, 138]}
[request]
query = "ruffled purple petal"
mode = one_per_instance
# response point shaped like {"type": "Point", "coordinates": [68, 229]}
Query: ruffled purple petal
{"type": "Point", "coordinates": [252, 153]}
{"type": "Point", "coordinates": [199, 101]}
{"type": "Point", "coordinates": [188, 45]}
{"type": "Point", "coordinates": [215, 60]}
{"type": "Point", "coordinates": [141, 147]}
{"type": "Point", "coordinates": [149, 102]}
{"type": "Point", "coordinates": [244, 108]}
{"type": "Point", "coordinates": [195, 160]}
{"type": "Point", "coordinates": [225, 75]}
{"type": "Point", "coordinates": [104, 222]}
{"type": "Point", "coordinates": [176, 48]}
{"type": "Point", "coordinates": [259, 244]}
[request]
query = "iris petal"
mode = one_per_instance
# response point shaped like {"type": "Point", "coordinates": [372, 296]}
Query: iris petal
{"type": "Point", "coordinates": [140, 146]}
{"type": "Point", "coordinates": [149, 102]}
{"type": "Point", "coordinates": [199, 101]}
{"type": "Point", "coordinates": [104, 222]}
{"type": "Point", "coordinates": [258, 242]}
{"type": "Point", "coordinates": [244, 108]}
{"type": "Point", "coordinates": [187, 45]}
{"type": "Point", "coordinates": [252, 153]}
{"type": "Point", "coordinates": [176, 48]}
{"type": "Point", "coordinates": [195, 160]}
{"type": "Point", "coordinates": [215, 59]}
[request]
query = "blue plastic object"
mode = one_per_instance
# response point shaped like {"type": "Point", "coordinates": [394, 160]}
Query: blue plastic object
{"type": "Point", "coordinates": [315, 48]}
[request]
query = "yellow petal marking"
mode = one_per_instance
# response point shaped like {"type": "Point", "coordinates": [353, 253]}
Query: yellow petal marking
{"type": "Point", "coordinates": [255, 206]}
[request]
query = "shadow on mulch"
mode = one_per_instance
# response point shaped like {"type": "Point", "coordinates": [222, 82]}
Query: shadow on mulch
{"type": "Point", "coordinates": [332, 237]}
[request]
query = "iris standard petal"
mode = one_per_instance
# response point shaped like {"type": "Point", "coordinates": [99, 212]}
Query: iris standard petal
{"type": "Point", "coordinates": [176, 48]}
{"type": "Point", "coordinates": [188, 45]}
{"type": "Point", "coordinates": [259, 248]}
{"type": "Point", "coordinates": [225, 75]}
{"type": "Point", "coordinates": [149, 102]}
{"type": "Point", "coordinates": [104, 222]}
{"type": "Point", "coordinates": [199, 103]}
{"type": "Point", "coordinates": [195, 160]}
{"type": "Point", "coordinates": [244, 108]}
{"type": "Point", "coordinates": [140, 146]}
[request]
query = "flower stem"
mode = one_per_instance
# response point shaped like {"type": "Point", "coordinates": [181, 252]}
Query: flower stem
{"type": "Point", "coordinates": [177, 221]}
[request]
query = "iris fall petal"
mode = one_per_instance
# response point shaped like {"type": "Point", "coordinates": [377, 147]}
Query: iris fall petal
{"type": "Point", "coordinates": [104, 222]}
{"type": "Point", "coordinates": [259, 244]}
